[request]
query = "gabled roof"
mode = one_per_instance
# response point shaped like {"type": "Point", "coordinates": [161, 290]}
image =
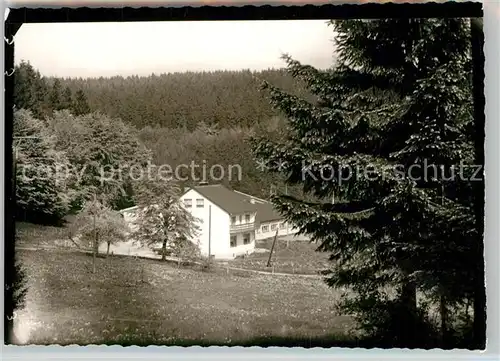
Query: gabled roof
{"type": "Point", "coordinates": [230, 201]}
{"type": "Point", "coordinates": [266, 211]}
{"type": "Point", "coordinates": [234, 202]}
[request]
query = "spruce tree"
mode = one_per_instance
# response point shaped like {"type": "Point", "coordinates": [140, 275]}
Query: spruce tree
{"type": "Point", "coordinates": [80, 105]}
{"type": "Point", "coordinates": [396, 107]}
{"type": "Point", "coordinates": [67, 99]}
{"type": "Point", "coordinates": [30, 90]}
{"type": "Point", "coordinates": [55, 100]}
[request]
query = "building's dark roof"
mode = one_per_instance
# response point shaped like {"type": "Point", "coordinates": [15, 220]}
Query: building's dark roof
{"type": "Point", "coordinates": [236, 202]}
{"type": "Point", "coordinates": [266, 213]}
{"type": "Point", "coordinates": [230, 201]}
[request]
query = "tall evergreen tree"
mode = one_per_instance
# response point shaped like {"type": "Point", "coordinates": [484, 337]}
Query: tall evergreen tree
{"type": "Point", "coordinates": [80, 105]}
{"type": "Point", "coordinates": [30, 90]}
{"type": "Point", "coordinates": [398, 100]}
{"type": "Point", "coordinates": [67, 99]}
{"type": "Point", "coordinates": [55, 100]}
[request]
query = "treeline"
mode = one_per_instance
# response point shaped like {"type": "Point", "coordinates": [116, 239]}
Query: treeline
{"type": "Point", "coordinates": [183, 100]}
{"type": "Point", "coordinates": [42, 96]}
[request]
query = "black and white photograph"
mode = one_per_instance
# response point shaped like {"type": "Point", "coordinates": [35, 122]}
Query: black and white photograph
{"type": "Point", "coordinates": [293, 183]}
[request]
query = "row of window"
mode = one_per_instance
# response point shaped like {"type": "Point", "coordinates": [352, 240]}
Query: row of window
{"type": "Point", "coordinates": [274, 227]}
{"type": "Point", "coordinates": [246, 240]}
{"type": "Point", "coordinates": [247, 219]}
{"type": "Point", "coordinates": [199, 203]}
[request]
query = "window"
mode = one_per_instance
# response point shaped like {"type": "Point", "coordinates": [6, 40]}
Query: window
{"type": "Point", "coordinates": [188, 203]}
{"type": "Point", "coordinates": [246, 238]}
{"type": "Point", "coordinates": [233, 241]}
{"type": "Point", "coordinates": [274, 226]}
{"type": "Point", "coordinates": [199, 203]}
{"type": "Point", "coordinates": [247, 218]}
{"type": "Point", "coordinates": [233, 220]}
{"type": "Point", "coordinates": [265, 229]}
{"type": "Point", "coordinates": [282, 225]}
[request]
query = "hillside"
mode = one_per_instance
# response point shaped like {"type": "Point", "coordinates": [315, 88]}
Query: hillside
{"type": "Point", "coordinates": [184, 100]}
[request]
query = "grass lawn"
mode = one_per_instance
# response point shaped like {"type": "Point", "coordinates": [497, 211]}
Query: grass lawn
{"type": "Point", "coordinates": [33, 235]}
{"type": "Point", "coordinates": [297, 257]}
{"type": "Point", "coordinates": [137, 301]}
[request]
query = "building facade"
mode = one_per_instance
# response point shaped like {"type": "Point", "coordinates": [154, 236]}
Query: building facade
{"type": "Point", "coordinates": [225, 218]}
{"type": "Point", "coordinates": [229, 222]}
{"type": "Point", "coordinates": [268, 220]}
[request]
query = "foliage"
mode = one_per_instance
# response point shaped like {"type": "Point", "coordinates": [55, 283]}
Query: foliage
{"type": "Point", "coordinates": [225, 99]}
{"type": "Point", "coordinates": [80, 105]}
{"type": "Point", "coordinates": [19, 285]}
{"type": "Point", "coordinates": [42, 192]}
{"type": "Point", "coordinates": [103, 153]}
{"type": "Point", "coordinates": [55, 96]}
{"type": "Point", "coordinates": [396, 101]}
{"type": "Point", "coordinates": [207, 117]}
{"type": "Point", "coordinates": [43, 95]}
{"type": "Point", "coordinates": [97, 224]}
{"type": "Point", "coordinates": [30, 89]}
{"type": "Point", "coordinates": [161, 219]}
{"type": "Point", "coordinates": [66, 99]}
{"type": "Point", "coordinates": [226, 148]}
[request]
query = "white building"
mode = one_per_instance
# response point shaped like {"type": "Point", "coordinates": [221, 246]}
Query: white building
{"type": "Point", "coordinates": [129, 248]}
{"type": "Point", "coordinates": [226, 220]}
{"type": "Point", "coordinates": [268, 220]}
{"type": "Point", "coordinates": [229, 221]}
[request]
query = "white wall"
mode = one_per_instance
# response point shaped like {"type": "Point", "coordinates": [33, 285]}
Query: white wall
{"type": "Point", "coordinates": [243, 219]}
{"type": "Point", "coordinates": [219, 240]}
{"type": "Point", "coordinates": [130, 216]}
{"type": "Point", "coordinates": [242, 249]}
{"type": "Point", "coordinates": [260, 234]}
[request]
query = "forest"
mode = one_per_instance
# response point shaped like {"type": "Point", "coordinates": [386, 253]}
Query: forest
{"type": "Point", "coordinates": [408, 249]}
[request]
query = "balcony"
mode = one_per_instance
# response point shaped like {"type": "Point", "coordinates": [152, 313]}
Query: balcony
{"type": "Point", "coordinates": [245, 227]}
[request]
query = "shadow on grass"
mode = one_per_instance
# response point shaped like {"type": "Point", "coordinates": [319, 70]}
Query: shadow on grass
{"type": "Point", "coordinates": [332, 341]}
{"type": "Point", "coordinates": [270, 341]}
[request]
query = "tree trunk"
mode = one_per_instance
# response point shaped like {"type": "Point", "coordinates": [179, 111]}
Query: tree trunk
{"type": "Point", "coordinates": [93, 261]}
{"type": "Point", "coordinates": [164, 251]}
{"type": "Point", "coordinates": [443, 310]}
{"type": "Point", "coordinates": [478, 60]}
{"type": "Point", "coordinates": [96, 251]}
{"type": "Point", "coordinates": [96, 245]}
{"type": "Point", "coordinates": [479, 324]}
{"type": "Point", "coordinates": [107, 251]}
{"type": "Point", "coordinates": [408, 316]}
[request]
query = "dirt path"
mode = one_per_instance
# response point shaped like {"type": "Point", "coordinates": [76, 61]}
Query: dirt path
{"type": "Point", "coordinates": [273, 273]}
